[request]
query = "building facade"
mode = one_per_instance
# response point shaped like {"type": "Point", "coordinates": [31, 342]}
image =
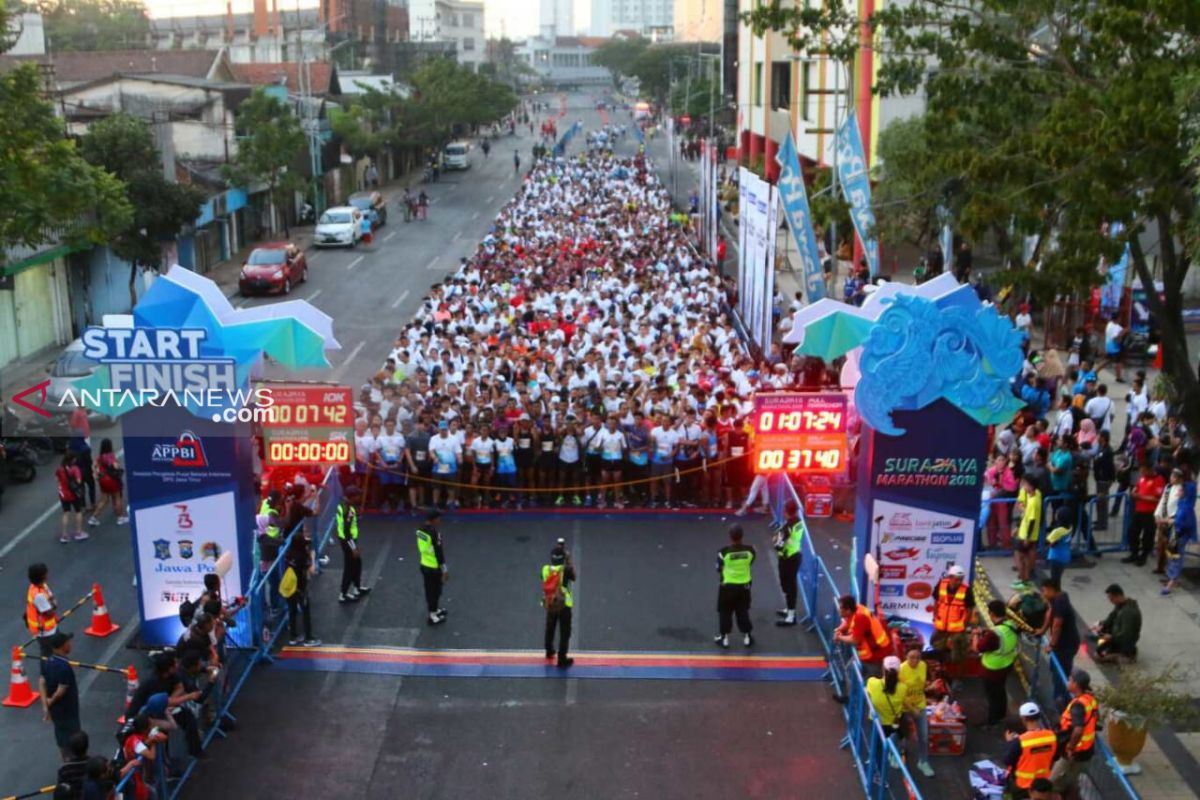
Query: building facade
{"type": "Point", "coordinates": [461, 22]}
{"type": "Point", "coordinates": [699, 20]}
{"type": "Point", "coordinates": [557, 18]}
{"type": "Point", "coordinates": [565, 61]}
{"type": "Point", "coordinates": [654, 19]}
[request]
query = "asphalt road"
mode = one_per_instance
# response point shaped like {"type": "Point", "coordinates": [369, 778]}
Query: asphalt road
{"type": "Point", "coordinates": [369, 292]}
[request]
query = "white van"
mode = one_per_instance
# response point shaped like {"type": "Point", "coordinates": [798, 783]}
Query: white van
{"type": "Point", "coordinates": [457, 155]}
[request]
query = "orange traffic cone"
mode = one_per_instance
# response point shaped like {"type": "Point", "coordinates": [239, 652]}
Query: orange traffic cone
{"type": "Point", "coordinates": [102, 624]}
{"type": "Point", "coordinates": [20, 695]}
{"type": "Point", "coordinates": [131, 682]}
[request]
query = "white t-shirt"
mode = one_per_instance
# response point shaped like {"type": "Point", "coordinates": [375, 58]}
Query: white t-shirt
{"type": "Point", "coordinates": [664, 440]}
{"type": "Point", "coordinates": [483, 449]}
{"type": "Point", "coordinates": [390, 446]}
{"type": "Point", "coordinates": [612, 444]}
{"type": "Point", "coordinates": [446, 452]}
{"type": "Point", "coordinates": [1100, 408]}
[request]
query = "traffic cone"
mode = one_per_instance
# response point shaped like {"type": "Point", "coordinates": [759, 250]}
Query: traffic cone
{"type": "Point", "coordinates": [20, 695]}
{"type": "Point", "coordinates": [102, 624]}
{"type": "Point", "coordinates": [131, 683]}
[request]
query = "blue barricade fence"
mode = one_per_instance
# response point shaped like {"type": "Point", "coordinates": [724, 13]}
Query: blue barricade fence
{"type": "Point", "coordinates": [878, 761]}
{"type": "Point", "coordinates": [266, 628]}
{"type": "Point", "coordinates": [1099, 525]}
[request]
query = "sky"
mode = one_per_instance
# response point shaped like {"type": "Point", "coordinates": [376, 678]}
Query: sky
{"type": "Point", "coordinates": [516, 18]}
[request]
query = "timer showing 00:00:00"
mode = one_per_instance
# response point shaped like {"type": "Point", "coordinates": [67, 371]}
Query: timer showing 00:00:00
{"type": "Point", "coordinates": [333, 452]}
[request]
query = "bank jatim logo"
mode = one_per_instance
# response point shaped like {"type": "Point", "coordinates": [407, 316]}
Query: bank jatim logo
{"type": "Point", "coordinates": [186, 451]}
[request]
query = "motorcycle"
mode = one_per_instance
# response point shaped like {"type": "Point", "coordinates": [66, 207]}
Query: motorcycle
{"type": "Point", "coordinates": [16, 462]}
{"type": "Point", "coordinates": [43, 439]}
{"type": "Point", "coordinates": [308, 215]}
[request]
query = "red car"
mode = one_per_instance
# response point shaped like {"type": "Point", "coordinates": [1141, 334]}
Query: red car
{"type": "Point", "coordinates": [273, 268]}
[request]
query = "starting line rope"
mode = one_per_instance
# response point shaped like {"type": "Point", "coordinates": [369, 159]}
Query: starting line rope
{"type": "Point", "coordinates": [676, 474]}
{"type": "Point", "coordinates": [122, 671]}
{"type": "Point", "coordinates": [61, 617]}
{"type": "Point", "coordinates": [35, 793]}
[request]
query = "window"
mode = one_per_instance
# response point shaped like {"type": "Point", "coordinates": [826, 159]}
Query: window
{"type": "Point", "coordinates": [756, 89]}
{"type": "Point", "coordinates": [468, 44]}
{"type": "Point", "coordinates": [806, 82]}
{"type": "Point", "coordinates": [468, 20]}
{"type": "Point", "coordinates": [781, 84]}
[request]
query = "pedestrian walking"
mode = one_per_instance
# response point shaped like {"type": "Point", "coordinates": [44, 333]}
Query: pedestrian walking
{"type": "Point", "coordinates": [346, 527]}
{"type": "Point", "coordinates": [70, 498]}
{"type": "Point", "coordinates": [559, 602]}
{"type": "Point", "coordinates": [80, 444]}
{"type": "Point", "coordinates": [997, 648]}
{"type": "Point", "coordinates": [914, 674]}
{"type": "Point", "coordinates": [735, 562]}
{"type": "Point", "coordinates": [516, 160]}
{"type": "Point", "coordinates": [298, 558]}
{"type": "Point", "coordinates": [60, 695]}
{"type": "Point", "coordinates": [434, 571]}
{"type": "Point", "coordinates": [365, 227]}
{"type": "Point", "coordinates": [787, 549]}
{"type": "Point", "coordinates": [1059, 626]}
{"type": "Point", "coordinates": [41, 611]}
{"type": "Point", "coordinates": [112, 485]}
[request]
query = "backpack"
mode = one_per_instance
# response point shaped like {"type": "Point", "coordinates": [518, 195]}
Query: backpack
{"type": "Point", "coordinates": [553, 596]}
{"type": "Point", "coordinates": [288, 583]}
{"type": "Point", "coordinates": [1031, 608]}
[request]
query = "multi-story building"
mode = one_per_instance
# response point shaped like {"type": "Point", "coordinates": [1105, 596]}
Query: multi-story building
{"type": "Point", "coordinates": [461, 22]}
{"type": "Point", "coordinates": [651, 18]}
{"type": "Point", "coordinates": [700, 20]}
{"type": "Point", "coordinates": [557, 17]}
{"type": "Point", "coordinates": [565, 61]}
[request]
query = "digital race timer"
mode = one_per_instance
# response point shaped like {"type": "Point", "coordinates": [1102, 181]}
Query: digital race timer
{"type": "Point", "coordinates": [308, 424]}
{"type": "Point", "coordinates": [800, 433]}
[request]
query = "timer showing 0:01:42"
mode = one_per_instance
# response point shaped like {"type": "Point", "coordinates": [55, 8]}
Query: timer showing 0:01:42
{"type": "Point", "coordinates": [800, 459]}
{"type": "Point", "coordinates": [804, 421]}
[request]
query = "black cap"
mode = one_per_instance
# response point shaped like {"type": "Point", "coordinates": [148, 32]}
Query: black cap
{"type": "Point", "coordinates": [1115, 588]}
{"type": "Point", "coordinates": [57, 640]}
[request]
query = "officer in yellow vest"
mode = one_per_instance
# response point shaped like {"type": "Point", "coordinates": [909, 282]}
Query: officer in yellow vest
{"type": "Point", "coordinates": [559, 607]}
{"type": "Point", "coordinates": [1078, 723]}
{"type": "Point", "coordinates": [433, 565]}
{"type": "Point", "coordinates": [734, 563]}
{"type": "Point", "coordinates": [346, 528]}
{"type": "Point", "coordinates": [1030, 753]}
{"type": "Point", "coordinates": [787, 548]}
{"type": "Point", "coordinates": [997, 651]}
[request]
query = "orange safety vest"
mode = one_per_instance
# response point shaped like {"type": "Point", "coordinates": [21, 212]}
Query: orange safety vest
{"type": "Point", "coordinates": [1091, 713]}
{"type": "Point", "coordinates": [879, 640]}
{"type": "Point", "coordinates": [951, 612]}
{"type": "Point", "coordinates": [1037, 756]}
{"type": "Point", "coordinates": [35, 621]}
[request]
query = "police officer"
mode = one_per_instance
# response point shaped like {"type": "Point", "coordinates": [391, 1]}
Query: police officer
{"type": "Point", "coordinates": [433, 565]}
{"type": "Point", "coordinates": [346, 527]}
{"type": "Point", "coordinates": [734, 563]}
{"type": "Point", "coordinates": [787, 548]}
{"type": "Point", "coordinates": [559, 604]}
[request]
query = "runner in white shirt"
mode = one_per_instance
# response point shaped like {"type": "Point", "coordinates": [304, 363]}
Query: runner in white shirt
{"type": "Point", "coordinates": [663, 441]}
{"type": "Point", "coordinates": [483, 453]}
{"type": "Point", "coordinates": [612, 452]}
{"type": "Point", "coordinates": [446, 453]}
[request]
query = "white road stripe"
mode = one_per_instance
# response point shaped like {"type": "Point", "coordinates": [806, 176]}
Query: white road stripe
{"type": "Point", "coordinates": [432, 263]}
{"type": "Point", "coordinates": [396, 303]}
{"type": "Point", "coordinates": [475, 215]}
{"type": "Point", "coordinates": [456, 235]}
{"type": "Point", "coordinates": [388, 238]}
{"type": "Point", "coordinates": [341, 368]}
{"type": "Point", "coordinates": [354, 263]}
{"type": "Point", "coordinates": [313, 296]}
{"type": "Point", "coordinates": [490, 199]}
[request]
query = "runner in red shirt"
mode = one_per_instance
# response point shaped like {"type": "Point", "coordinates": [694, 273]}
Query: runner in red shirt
{"type": "Point", "coordinates": [70, 497]}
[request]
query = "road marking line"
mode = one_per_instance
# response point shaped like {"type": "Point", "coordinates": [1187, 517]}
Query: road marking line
{"type": "Point", "coordinates": [313, 296]}
{"type": "Point", "coordinates": [110, 654]}
{"type": "Point", "coordinates": [341, 368]}
{"type": "Point", "coordinates": [354, 263]}
{"type": "Point", "coordinates": [431, 263]}
{"type": "Point", "coordinates": [388, 238]}
{"type": "Point", "coordinates": [456, 235]}
{"type": "Point", "coordinates": [490, 199]}
{"type": "Point", "coordinates": [396, 303]}
{"type": "Point", "coordinates": [475, 215]}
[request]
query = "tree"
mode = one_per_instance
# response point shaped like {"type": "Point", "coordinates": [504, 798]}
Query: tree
{"type": "Point", "coordinates": [1060, 116]}
{"type": "Point", "coordinates": [618, 56]}
{"type": "Point", "coordinates": [695, 97]}
{"type": "Point", "coordinates": [365, 125]}
{"type": "Point", "coordinates": [652, 68]}
{"type": "Point", "coordinates": [48, 192]}
{"type": "Point", "coordinates": [908, 182]}
{"type": "Point", "coordinates": [446, 93]}
{"type": "Point", "coordinates": [124, 146]}
{"type": "Point", "coordinates": [95, 24]}
{"type": "Point", "coordinates": [270, 145]}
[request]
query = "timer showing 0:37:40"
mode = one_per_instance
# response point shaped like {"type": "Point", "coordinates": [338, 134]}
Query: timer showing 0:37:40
{"type": "Point", "coordinates": [800, 459]}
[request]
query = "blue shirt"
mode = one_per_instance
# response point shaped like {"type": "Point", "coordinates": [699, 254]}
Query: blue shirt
{"type": "Point", "coordinates": [1060, 481]}
{"type": "Point", "coordinates": [57, 672]}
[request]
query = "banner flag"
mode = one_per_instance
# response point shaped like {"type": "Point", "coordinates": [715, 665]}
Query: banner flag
{"type": "Point", "coordinates": [799, 219]}
{"type": "Point", "coordinates": [856, 187]}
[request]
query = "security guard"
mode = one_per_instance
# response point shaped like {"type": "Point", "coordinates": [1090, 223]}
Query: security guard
{"type": "Point", "coordinates": [346, 526]}
{"type": "Point", "coordinates": [1078, 725]}
{"type": "Point", "coordinates": [998, 651]}
{"type": "Point", "coordinates": [1031, 753]}
{"type": "Point", "coordinates": [560, 604]}
{"type": "Point", "coordinates": [271, 504]}
{"type": "Point", "coordinates": [734, 563]}
{"type": "Point", "coordinates": [954, 603]}
{"type": "Point", "coordinates": [433, 565]}
{"type": "Point", "coordinates": [787, 548]}
{"type": "Point", "coordinates": [41, 612]}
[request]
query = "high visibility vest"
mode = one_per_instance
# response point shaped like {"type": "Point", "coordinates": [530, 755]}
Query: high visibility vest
{"type": "Point", "coordinates": [791, 544]}
{"type": "Point", "coordinates": [568, 600]}
{"type": "Point", "coordinates": [735, 567]}
{"type": "Point", "coordinates": [1037, 756]}
{"type": "Point", "coordinates": [265, 508]}
{"type": "Point", "coordinates": [888, 706]}
{"type": "Point", "coordinates": [1091, 712]}
{"type": "Point", "coordinates": [950, 615]}
{"type": "Point", "coordinates": [879, 638]}
{"type": "Point", "coordinates": [344, 530]}
{"type": "Point", "coordinates": [429, 559]}
{"type": "Point", "coordinates": [1003, 657]}
{"type": "Point", "coordinates": [37, 623]}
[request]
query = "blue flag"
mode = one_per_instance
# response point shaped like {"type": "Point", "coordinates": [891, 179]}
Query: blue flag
{"type": "Point", "coordinates": [856, 187]}
{"type": "Point", "coordinates": [799, 218]}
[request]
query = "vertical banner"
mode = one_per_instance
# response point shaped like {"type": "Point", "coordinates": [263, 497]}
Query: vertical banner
{"type": "Point", "coordinates": [767, 321]}
{"type": "Point", "coordinates": [856, 187]}
{"type": "Point", "coordinates": [191, 501]}
{"type": "Point", "coordinates": [756, 260]}
{"type": "Point", "coordinates": [918, 505]}
{"type": "Point", "coordinates": [711, 210]}
{"type": "Point", "coordinates": [703, 194]}
{"type": "Point", "coordinates": [1114, 280]}
{"type": "Point", "coordinates": [799, 218]}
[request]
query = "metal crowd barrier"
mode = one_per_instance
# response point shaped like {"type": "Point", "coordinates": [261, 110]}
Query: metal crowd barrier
{"type": "Point", "coordinates": [877, 760]}
{"type": "Point", "coordinates": [1085, 538]}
